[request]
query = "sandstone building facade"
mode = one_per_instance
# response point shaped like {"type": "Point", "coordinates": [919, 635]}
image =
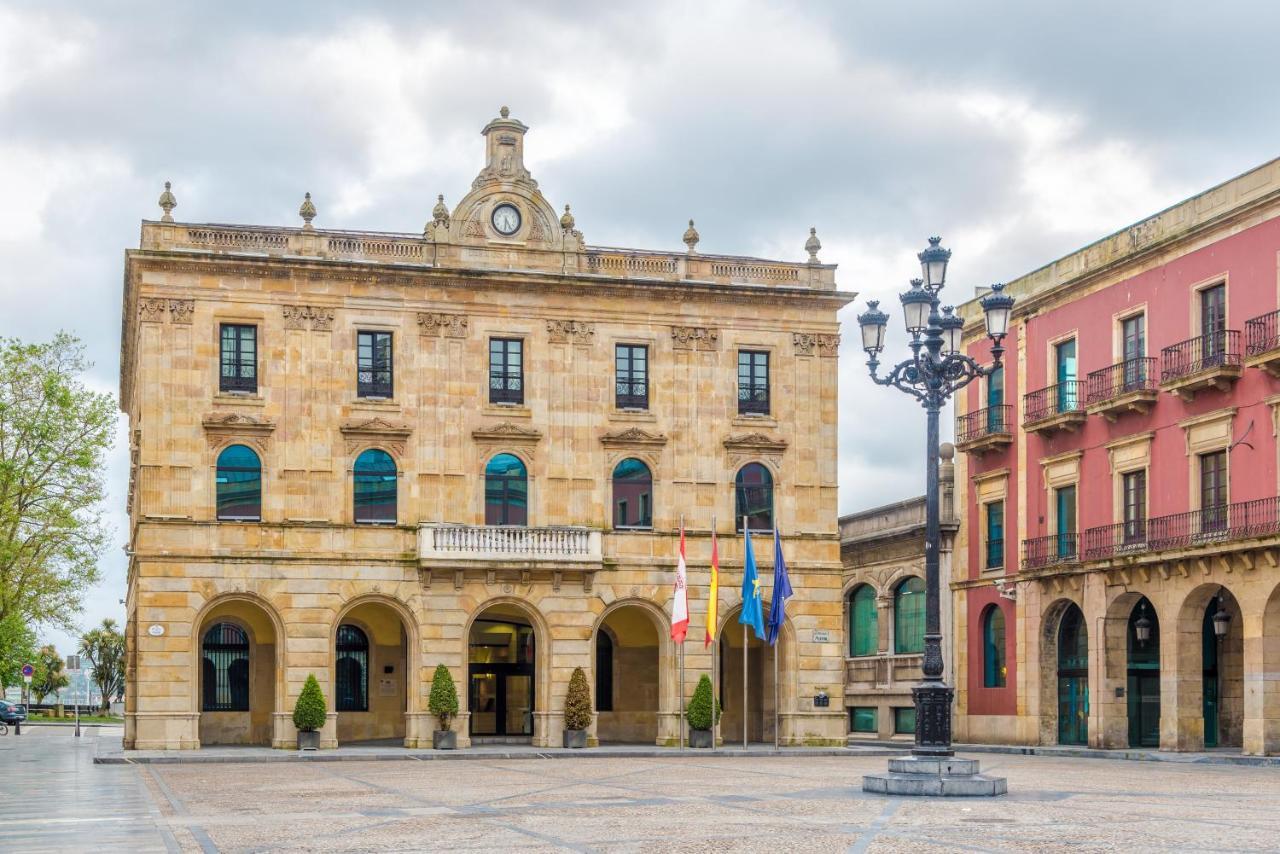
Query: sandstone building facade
{"type": "Point", "coordinates": [1117, 577]}
{"type": "Point", "coordinates": [361, 454]}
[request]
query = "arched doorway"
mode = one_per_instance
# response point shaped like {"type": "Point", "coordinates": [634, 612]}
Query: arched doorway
{"type": "Point", "coordinates": [502, 675]}
{"type": "Point", "coordinates": [760, 709]}
{"type": "Point", "coordinates": [237, 645]}
{"type": "Point", "coordinates": [627, 693]}
{"type": "Point", "coordinates": [1073, 678]}
{"type": "Point", "coordinates": [1210, 670]}
{"type": "Point", "coordinates": [371, 673]}
{"type": "Point", "coordinates": [1144, 675]}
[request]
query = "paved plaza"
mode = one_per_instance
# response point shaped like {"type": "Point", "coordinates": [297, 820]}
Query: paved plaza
{"type": "Point", "coordinates": [55, 799]}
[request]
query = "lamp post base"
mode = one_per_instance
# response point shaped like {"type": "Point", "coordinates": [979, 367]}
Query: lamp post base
{"type": "Point", "coordinates": [935, 777]}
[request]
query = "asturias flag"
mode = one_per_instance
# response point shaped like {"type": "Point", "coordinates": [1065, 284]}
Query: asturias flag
{"type": "Point", "coordinates": [680, 608]}
{"type": "Point", "coordinates": [781, 590]}
{"type": "Point", "coordinates": [713, 597]}
{"type": "Point", "coordinates": [752, 608]}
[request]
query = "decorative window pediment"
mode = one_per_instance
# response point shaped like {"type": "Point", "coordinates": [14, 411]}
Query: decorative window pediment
{"type": "Point", "coordinates": [633, 437]}
{"type": "Point", "coordinates": [223, 427]}
{"type": "Point", "coordinates": [755, 443]}
{"type": "Point", "coordinates": [375, 431]}
{"type": "Point", "coordinates": [506, 433]}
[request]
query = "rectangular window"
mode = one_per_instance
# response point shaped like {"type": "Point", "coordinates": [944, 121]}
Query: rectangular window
{"type": "Point", "coordinates": [753, 382]}
{"type": "Point", "coordinates": [1134, 486]}
{"type": "Point", "coordinates": [1213, 312]}
{"type": "Point", "coordinates": [1064, 355]}
{"type": "Point", "coordinates": [373, 368]}
{"type": "Point", "coordinates": [238, 345]}
{"type": "Point", "coordinates": [904, 720]}
{"type": "Point", "coordinates": [862, 719]}
{"type": "Point", "coordinates": [995, 535]}
{"type": "Point", "coordinates": [506, 370]}
{"type": "Point", "coordinates": [1065, 498]}
{"type": "Point", "coordinates": [1133, 336]}
{"type": "Point", "coordinates": [1213, 491]}
{"type": "Point", "coordinates": [631, 385]}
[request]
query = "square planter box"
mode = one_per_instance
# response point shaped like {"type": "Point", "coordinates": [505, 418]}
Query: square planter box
{"type": "Point", "coordinates": [700, 738]}
{"type": "Point", "coordinates": [575, 738]}
{"type": "Point", "coordinates": [444, 739]}
{"type": "Point", "coordinates": [309, 740]}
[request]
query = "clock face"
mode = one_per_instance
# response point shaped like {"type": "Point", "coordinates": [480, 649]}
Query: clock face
{"type": "Point", "coordinates": [506, 219]}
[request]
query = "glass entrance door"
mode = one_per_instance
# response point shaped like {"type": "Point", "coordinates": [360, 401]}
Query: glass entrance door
{"type": "Point", "coordinates": [501, 700]}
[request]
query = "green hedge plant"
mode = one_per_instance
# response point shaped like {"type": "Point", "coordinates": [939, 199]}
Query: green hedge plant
{"type": "Point", "coordinates": [309, 711]}
{"type": "Point", "coordinates": [443, 702]}
{"type": "Point", "coordinates": [700, 708]}
{"type": "Point", "coordinates": [577, 702]}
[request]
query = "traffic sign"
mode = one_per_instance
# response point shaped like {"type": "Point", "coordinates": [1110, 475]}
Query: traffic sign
{"type": "Point", "coordinates": [28, 671]}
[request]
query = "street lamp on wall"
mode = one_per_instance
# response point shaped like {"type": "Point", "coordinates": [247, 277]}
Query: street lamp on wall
{"type": "Point", "coordinates": [1142, 627]}
{"type": "Point", "coordinates": [1221, 619]}
{"type": "Point", "coordinates": [935, 370]}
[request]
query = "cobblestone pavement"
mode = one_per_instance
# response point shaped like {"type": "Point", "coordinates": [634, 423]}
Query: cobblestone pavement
{"type": "Point", "coordinates": [767, 804]}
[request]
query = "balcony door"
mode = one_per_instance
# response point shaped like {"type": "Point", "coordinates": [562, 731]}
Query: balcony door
{"type": "Point", "coordinates": [1133, 333]}
{"type": "Point", "coordinates": [1065, 521]}
{"type": "Point", "coordinates": [1213, 323]}
{"type": "Point", "coordinates": [1064, 355]}
{"type": "Point", "coordinates": [1213, 491]}
{"type": "Point", "coordinates": [995, 400]}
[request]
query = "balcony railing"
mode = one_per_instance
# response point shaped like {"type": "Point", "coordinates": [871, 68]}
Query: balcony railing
{"type": "Point", "coordinates": [1208, 526]}
{"type": "Point", "coordinates": [1122, 378]}
{"type": "Point", "coordinates": [1065, 397]}
{"type": "Point", "coordinates": [1116, 540]}
{"type": "Point", "coordinates": [1052, 550]}
{"type": "Point", "coordinates": [1203, 353]}
{"type": "Point", "coordinates": [981, 423]}
{"type": "Point", "coordinates": [502, 543]}
{"type": "Point", "coordinates": [1262, 334]}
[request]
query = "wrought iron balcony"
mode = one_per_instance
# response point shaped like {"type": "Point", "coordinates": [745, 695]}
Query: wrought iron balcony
{"type": "Point", "coordinates": [983, 430]}
{"type": "Point", "coordinates": [504, 545]}
{"type": "Point", "coordinates": [1053, 550]}
{"type": "Point", "coordinates": [1123, 387]}
{"type": "Point", "coordinates": [1262, 342]}
{"type": "Point", "coordinates": [1206, 527]}
{"type": "Point", "coordinates": [1207, 361]}
{"type": "Point", "coordinates": [1122, 538]}
{"type": "Point", "coordinates": [1058, 407]}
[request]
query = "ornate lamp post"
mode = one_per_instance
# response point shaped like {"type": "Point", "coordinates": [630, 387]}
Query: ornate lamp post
{"type": "Point", "coordinates": [935, 370]}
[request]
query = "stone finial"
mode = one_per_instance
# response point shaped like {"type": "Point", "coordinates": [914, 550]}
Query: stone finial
{"type": "Point", "coordinates": [167, 203]}
{"type": "Point", "coordinates": [505, 111]}
{"type": "Point", "coordinates": [566, 221]}
{"type": "Point", "coordinates": [440, 213]}
{"type": "Point", "coordinates": [307, 212]}
{"type": "Point", "coordinates": [691, 238]}
{"type": "Point", "coordinates": [813, 245]}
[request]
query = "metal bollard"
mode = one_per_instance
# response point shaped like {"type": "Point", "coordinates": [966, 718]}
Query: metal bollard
{"type": "Point", "coordinates": [17, 727]}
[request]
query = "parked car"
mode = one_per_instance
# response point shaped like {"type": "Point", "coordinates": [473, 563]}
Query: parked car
{"type": "Point", "coordinates": [12, 713]}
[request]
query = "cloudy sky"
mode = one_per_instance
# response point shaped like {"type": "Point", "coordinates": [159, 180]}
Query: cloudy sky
{"type": "Point", "coordinates": [1019, 132]}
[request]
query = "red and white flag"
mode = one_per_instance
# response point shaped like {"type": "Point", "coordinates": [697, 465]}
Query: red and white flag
{"type": "Point", "coordinates": [680, 607]}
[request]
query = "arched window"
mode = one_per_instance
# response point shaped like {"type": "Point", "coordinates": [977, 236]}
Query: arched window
{"type": "Point", "coordinates": [632, 495]}
{"type": "Point", "coordinates": [754, 493]}
{"type": "Point", "coordinates": [864, 626]}
{"type": "Point", "coordinates": [604, 671]}
{"type": "Point", "coordinates": [993, 648]}
{"type": "Point", "coordinates": [908, 616]}
{"type": "Point", "coordinates": [375, 488]}
{"type": "Point", "coordinates": [225, 667]}
{"type": "Point", "coordinates": [239, 485]}
{"type": "Point", "coordinates": [351, 669]}
{"type": "Point", "coordinates": [506, 491]}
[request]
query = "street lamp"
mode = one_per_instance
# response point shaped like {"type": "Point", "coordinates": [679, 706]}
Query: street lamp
{"type": "Point", "coordinates": [934, 372]}
{"type": "Point", "coordinates": [1142, 627]}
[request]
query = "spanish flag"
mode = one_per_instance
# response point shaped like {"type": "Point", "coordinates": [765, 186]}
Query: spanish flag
{"type": "Point", "coordinates": [713, 597]}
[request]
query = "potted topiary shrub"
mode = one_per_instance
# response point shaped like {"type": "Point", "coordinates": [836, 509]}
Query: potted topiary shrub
{"type": "Point", "coordinates": [703, 713]}
{"type": "Point", "coordinates": [444, 705]}
{"type": "Point", "coordinates": [577, 710]}
{"type": "Point", "coordinates": [309, 714]}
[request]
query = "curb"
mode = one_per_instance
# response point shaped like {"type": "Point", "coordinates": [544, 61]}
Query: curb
{"type": "Point", "coordinates": [1121, 754]}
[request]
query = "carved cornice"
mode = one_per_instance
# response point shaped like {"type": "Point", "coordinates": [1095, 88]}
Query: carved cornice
{"type": "Point", "coordinates": [570, 332]}
{"type": "Point", "coordinates": [506, 433]}
{"type": "Point", "coordinates": [221, 427]}
{"type": "Point", "coordinates": [304, 316]}
{"type": "Point", "coordinates": [695, 338]}
{"type": "Point", "coordinates": [375, 431]}
{"type": "Point", "coordinates": [755, 443]}
{"type": "Point", "coordinates": [806, 344]}
{"type": "Point", "coordinates": [443, 325]}
{"type": "Point", "coordinates": [633, 437]}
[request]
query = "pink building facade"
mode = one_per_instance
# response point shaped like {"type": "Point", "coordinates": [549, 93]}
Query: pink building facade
{"type": "Point", "coordinates": [1116, 580]}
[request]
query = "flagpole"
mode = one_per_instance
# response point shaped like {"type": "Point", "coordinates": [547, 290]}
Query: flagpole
{"type": "Point", "coordinates": [776, 641]}
{"type": "Point", "coordinates": [745, 533]}
{"type": "Point", "coordinates": [715, 658]}
{"type": "Point", "coordinates": [681, 690]}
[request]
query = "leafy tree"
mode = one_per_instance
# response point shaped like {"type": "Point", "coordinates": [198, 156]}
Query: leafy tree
{"type": "Point", "coordinates": [698, 712]}
{"type": "Point", "coordinates": [17, 647]}
{"type": "Point", "coordinates": [49, 677]}
{"type": "Point", "coordinates": [577, 702]}
{"type": "Point", "coordinates": [54, 434]}
{"type": "Point", "coordinates": [443, 702]}
{"type": "Point", "coordinates": [309, 711]}
{"type": "Point", "coordinates": [103, 648]}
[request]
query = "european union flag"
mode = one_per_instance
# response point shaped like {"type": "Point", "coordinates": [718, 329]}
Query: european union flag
{"type": "Point", "coordinates": [752, 607]}
{"type": "Point", "coordinates": [781, 590]}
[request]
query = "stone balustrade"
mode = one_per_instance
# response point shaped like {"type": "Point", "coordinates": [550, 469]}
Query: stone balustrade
{"type": "Point", "coordinates": [493, 544]}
